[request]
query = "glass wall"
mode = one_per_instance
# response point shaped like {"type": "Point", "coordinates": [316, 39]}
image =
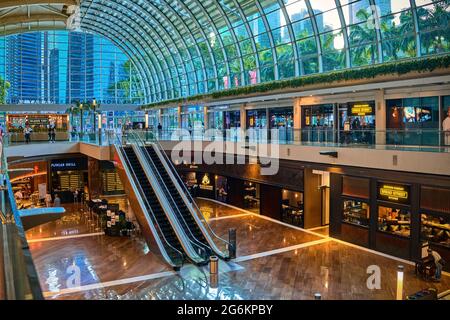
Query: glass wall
{"type": "Point", "coordinates": [119, 119]}
{"type": "Point", "coordinates": [357, 122]}
{"type": "Point", "coordinates": [257, 119]}
{"type": "Point", "coordinates": [292, 207]}
{"type": "Point", "coordinates": [192, 47]}
{"type": "Point", "coordinates": [221, 119]}
{"type": "Point", "coordinates": [169, 118]}
{"type": "Point", "coordinates": [413, 121]}
{"type": "Point", "coordinates": [192, 118]}
{"type": "Point", "coordinates": [318, 123]}
{"type": "Point", "coordinates": [283, 120]}
{"type": "Point", "coordinates": [60, 67]}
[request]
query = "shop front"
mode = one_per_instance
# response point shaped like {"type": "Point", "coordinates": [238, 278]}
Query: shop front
{"type": "Point", "coordinates": [280, 197]}
{"type": "Point", "coordinates": [224, 118]}
{"type": "Point", "coordinates": [357, 122]}
{"type": "Point", "coordinates": [395, 217]}
{"type": "Point", "coordinates": [413, 121]}
{"type": "Point", "coordinates": [29, 183]}
{"type": "Point", "coordinates": [192, 119]}
{"type": "Point", "coordinates": [283, 120]}
{"type": "Point", "coordinates": [318, 123]}
{"type": "Point", "coordinates": [39, 122]}
{"type": "Point", "coordinates": [169, 119]}
{"type": "Point", "coordinates": [110, 183]}
{"type": "Point", "coordinates": [68, 175]}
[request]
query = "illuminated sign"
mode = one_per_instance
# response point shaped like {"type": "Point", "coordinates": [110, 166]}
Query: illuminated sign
{"type": "Point", "coordinates": [361, 109]}
{"type": "Point", "coordinates": [393, 193]}
{"type": "Point", "coordinates": [69, 164]}
{"type": "Point", "coordinates": [206, 183]}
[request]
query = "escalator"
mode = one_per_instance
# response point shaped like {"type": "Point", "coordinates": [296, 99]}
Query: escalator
{"type": "Point", "coordinates": [171, 246]}
{"type": "Point", "coordinates": [190, 226]}
{"type": "Point", "coordinates": [187, 210]}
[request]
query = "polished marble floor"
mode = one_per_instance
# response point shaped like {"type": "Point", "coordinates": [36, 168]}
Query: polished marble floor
{"type": "Point", "coordinates": [274, 261]}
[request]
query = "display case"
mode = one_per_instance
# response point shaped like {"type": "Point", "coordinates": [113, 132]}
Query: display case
{"type": "Point", "coordinates": [435, 229]}
{"type": "Point", "coordinates": [394, 221]}
{"type": "Point", "coordinates": [356, 212]}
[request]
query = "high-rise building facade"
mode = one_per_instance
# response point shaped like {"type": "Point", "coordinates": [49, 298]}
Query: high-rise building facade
{"type": "Point", "coordinates": [80, 74]}
{"type": "Point", "coordinates": [61, 67]}
{"type": "Point", "coordinates": [24, 67]}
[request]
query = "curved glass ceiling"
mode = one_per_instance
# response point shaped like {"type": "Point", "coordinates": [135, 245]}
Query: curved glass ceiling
{"type": "Point", "coordinates": [187, 47]}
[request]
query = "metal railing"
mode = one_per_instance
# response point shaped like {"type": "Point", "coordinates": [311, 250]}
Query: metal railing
{"type": "Point", "coordinates": [432, 140]}
{"type": "Point", "coordinates": [408, 139]}
{"type": "Point", "coordinates": [19, 279]}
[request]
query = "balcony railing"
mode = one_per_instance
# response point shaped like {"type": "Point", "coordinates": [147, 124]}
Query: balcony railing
{"type": "Point", "coordinates": [18, 276]}
{"type": "Point", "coordinates": [430, 140]}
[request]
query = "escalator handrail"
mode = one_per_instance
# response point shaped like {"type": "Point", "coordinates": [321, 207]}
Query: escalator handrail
{"type": "Point", "coordinates": [197, 210]}
{"type": "Point", "coordinates": [192, 239]}
{"type": "Point", "coordinates": [148, 208]}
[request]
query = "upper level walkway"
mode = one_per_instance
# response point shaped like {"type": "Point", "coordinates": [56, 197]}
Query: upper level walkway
{"type": "Point", "coordinates": [352, 151]}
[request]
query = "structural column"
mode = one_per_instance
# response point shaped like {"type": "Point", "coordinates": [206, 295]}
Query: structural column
{"type": "Point", "coordinates": [380, 117]}
{"type": "Point", "coordinates": [297, 119]}
{"type": "Point", "coordinates": [205, 118]}
{"type": "Point", "coordinates": [179, 115]}
{"type": "Point", "coordinates": [243, 116]}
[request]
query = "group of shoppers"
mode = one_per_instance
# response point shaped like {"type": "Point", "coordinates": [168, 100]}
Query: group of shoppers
{"type": "Point", "coordinates": [27, 131]}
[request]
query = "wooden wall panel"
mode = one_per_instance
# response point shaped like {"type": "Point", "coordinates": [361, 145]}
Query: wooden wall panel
{"type": "Point", "coordinates": [271, 201]}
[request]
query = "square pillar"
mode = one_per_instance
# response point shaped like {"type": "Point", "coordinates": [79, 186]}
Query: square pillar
{"type": "Point", "coordinates": [380, 118]}
{"type": "Point", "coordinates": [179, 116]}
{"type": "Point", "coordinates": [243, 116]}
{"type": "Point", "coordinates": [205, 118]}
{"type": "Point", "coordinates": [297, 119]}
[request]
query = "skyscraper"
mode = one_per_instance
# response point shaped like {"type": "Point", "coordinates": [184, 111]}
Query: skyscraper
{"type": "Point", "coordinates": [80, 73]}
{"type": "Point", "coordinates": [24, 67]}
{"type": "Point", "coordinates": [54, 76]}
{"type": "Point", "coordinates": [384, 7]}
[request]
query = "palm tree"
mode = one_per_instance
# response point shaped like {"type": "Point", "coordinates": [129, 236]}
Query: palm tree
{"type": "Point", "coordinates": [4, 86]}
{"type": "Point", "coordinates": [362, 39]}
{"type": "Point", "coordinates": [438, 40]}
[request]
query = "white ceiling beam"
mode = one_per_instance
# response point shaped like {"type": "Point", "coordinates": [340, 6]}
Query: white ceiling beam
{"type": "Point", "coordinates": [5, 4]}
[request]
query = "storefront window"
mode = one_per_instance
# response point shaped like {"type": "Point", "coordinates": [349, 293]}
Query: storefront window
{"type": "Point", "coordinates": [357, 122]}
{"type": "Point", "coordinates": [317, 123]}
{"type": "Point", "coordinates": [251, 196]}
{"type": "Point", "coordinates": [257, 118]}
{"type": "Point", "coordinates": [413, 121]}
{"type": "Point", "coordinates": [436, 229]}
{"type": "Point", "coordinates": [221, 189]}
{"type": "Point", "coordinates": [38, 122]}
{"type": "Point", "coordinates": [356, 212]}
{"type": "Point", "coordinates": [192, 117]}
{"type": "Point", "coordinates": [292, 207]}
{"type": "Point", "coordinates": [169, 118]}
{"type": "Point", "coordinates": [394, 221]}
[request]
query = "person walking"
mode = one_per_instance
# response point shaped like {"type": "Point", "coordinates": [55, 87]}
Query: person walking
{"type": "Point", "coordinates": [159, 130]}
{"type": "Point", "coordinates": [27, 132]}
{"type": "Point", "coordinates": [438, 262]}
{"type": "Point", "coordinates": [57, 201]}
{"type": "Point", "coordinates": [48, 200]}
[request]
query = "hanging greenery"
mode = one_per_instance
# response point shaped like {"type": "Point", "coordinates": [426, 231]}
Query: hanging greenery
{"type": "Point", "coordinates": [392, 68]}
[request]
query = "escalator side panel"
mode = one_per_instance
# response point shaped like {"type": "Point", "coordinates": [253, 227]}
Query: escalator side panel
{"type": "Point", "coordinates": [148, 231]}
